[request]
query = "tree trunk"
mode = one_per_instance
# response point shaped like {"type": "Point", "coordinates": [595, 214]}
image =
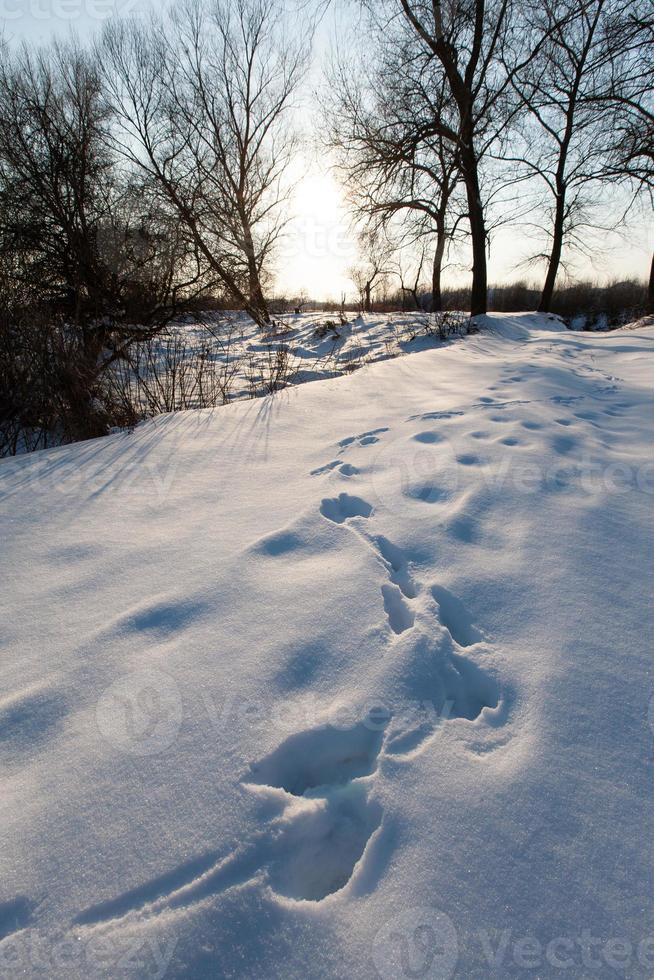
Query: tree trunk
{"type": "Point", "coordinates": [437, 268]}
{"type": "Point", "coordinates": [256, 298]}
{"type": "Point", "coordinates": [367, 305]}
{"type": "Point", "coordinates": [261, 318]}
{"type": "Point", "coordinates": [479, 291]}
{"type": "Point", "coordinates": [555, 255]}
{"type": "Point", "coordinates": [651, 287]}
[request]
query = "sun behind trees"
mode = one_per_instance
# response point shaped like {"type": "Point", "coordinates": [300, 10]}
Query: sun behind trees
{"type": "Point", "coordinates": [149, 174]}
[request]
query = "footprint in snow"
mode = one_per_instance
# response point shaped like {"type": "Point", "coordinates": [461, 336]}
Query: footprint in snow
{"type": "Point", "coordinates": [429, 437]}
{"type": "Point", "coordinates": [340, 509]}
{"type": "Point", "coordinates": [313, 849]}
{"type": "Point", "coordinates": [456, 618]}
{"type": "Point", "coordinates": [368, 438]}
{"type": "Point", "coordinates": [15, 915]}
{"type": "Point", "coordinates": [469, 459]}
{"type": "Point", "coordinates": [343, 469]}
{"type": "Point", "coordinates": [563, 444]}
{"type": "Point", "coordinates": [321, 841]}
{"type": "Point", "coordinates": [441, 683]}
{"type": "Point", "coordinates": [363, 439]}
{"type": "Point", "coordinates": [313, 760]}
{"type": "Point", "coordinates": [461, 689]}
{"type": "Point", "coordinates": [400, 615]}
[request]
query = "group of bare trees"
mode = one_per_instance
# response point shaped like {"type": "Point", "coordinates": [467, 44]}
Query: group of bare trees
{"type": "Point", "coordinates": [148, 173]}
{"type": "Point", "coordinates": [473, 113]}
{"type": "Point", "coordinates": [138, 177]}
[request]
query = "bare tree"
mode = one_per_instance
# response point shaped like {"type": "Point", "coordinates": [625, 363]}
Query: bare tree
{"type": "Point", "coordinates": [202, 101]}
{"type": "Point", "coordinates": [55, 176]}
{"type": "Point", "coordinates": [372, 268]}
{"type": "Point", "coordinates": [479, 47]}
{"type": "Point", "coordinates": [629, 99]}
{"type": "Point", "coordinates": [566, 146]}
{"type": "Point", "coordinates": [464, 38]}
{"type": "Point", "coordinates": [382, 122]}
{"type": "Point", "coordinates": [410, 287]}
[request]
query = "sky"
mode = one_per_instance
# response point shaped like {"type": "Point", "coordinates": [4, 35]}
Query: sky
{"type": "Point", "coordinates": [319, 248]}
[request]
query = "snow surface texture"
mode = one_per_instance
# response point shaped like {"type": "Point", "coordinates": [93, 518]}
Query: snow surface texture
{"type": "Point", "coordinates": [354, 681]}
{"type": "Point", "coordinates": [304, 347]}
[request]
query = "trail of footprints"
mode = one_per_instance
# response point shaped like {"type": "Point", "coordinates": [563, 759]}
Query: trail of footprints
{"type": "Point", "coordinates": [329, 773]}
{"type": "Point", "coordinates": [323, 777]}
{"type": "Point", "coordinates": [332, 771]}
{"type": "Point", "coordinates": [311, 850]}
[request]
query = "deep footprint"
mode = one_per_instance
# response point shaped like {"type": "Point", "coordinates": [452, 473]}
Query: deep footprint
{"type": "Point", "coordinates": [400, 617]}
{"type": "Point", "coordinates": [320, 757]}
{"type": "Point", "coordinates": [324, 845]}
{"type": "Point", "coordinates": [397, 565]}
{"type": "Point", "coordinates": [455, 617]}
{"type": "Point", "coordinates": [429, 437]}
{"type": "Point", "coordinates": [440, 686]}
{"type": "Point", "coordinates": [339, 509]}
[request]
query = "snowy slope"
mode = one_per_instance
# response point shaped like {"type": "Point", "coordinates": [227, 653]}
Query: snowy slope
{"type": "Point", "coordinates": [302, 347]}
{"type": "Point", "coordinates": [351, 682]}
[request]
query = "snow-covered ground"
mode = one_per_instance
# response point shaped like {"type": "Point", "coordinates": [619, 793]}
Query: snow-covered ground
{"type": "Point", "coordinates": [354, 681]}
{"type": "Point", "coordinates": [248, 362]}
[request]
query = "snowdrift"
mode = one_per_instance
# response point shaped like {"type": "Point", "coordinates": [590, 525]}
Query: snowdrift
{"type": "Point", "coordinates": [354, 681]}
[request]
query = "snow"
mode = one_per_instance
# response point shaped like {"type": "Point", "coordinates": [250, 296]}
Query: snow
{"type": "Point", "coordinates": [297, 348]}
{"type": "Point", "coordinates": [352, 681]}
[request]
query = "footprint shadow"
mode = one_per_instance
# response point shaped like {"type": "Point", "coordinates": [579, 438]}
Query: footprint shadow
{"type": "Point", "coordinates": [319, 757]}
{"type": "Point", "coordinates": [455, 617]}
{"type": "Point", "coordinates": [28, 718]}
{"type": "Point", "coordinates": [15, 915]}
{"type": "Point", "coordinates": [339, 509]}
